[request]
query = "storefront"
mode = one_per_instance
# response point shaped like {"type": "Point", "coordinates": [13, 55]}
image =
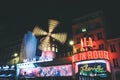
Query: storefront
{"type": "Point", "coordinates": [7, 72]}
{"type": "Point", "coordinates": [51, 70]}
{"type": "Point", "coordinates": [90, 65]}
{"type": "Point", "coordinates": [93, 70]}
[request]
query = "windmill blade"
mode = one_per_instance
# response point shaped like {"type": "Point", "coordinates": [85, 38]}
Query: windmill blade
{"type": "Point", "coordinates": [52, 25]}
{"type": "Point", "coordinates": [61, 37]}
{"type": "Point", "coordinates": [46, 41]}
{"type": "Point", "coordinates": [38, 31]}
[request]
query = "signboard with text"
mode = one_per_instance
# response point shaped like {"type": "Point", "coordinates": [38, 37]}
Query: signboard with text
{"type": "Point", "coordinates": [93, 69]}
{"type": "Point", "coordinates": [89, 55]}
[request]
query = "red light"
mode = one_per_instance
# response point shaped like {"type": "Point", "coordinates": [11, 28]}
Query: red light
{"type": "Point", "coordinates": [90, 55]}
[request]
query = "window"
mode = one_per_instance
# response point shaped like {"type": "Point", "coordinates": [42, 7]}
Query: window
{"type": "Point", "coordinates": [99, 35]}
{"type": "Point", "coordinates": [77, 31]}
{"type": "Point", "coordinates": [83, 29]}
{"type": "Point", "coordinates": [112, 47]}
{"type": "Point", "coordinates": [115, 63]}
{"type": "Point", "coordinates": [78, 50]}
{"type": "Point", "coordinates": [119, 44]}
{"type": "Point", "coordinates": [92, 36]}
{"type": "Point", "coordinates": [11, 49]}
{"type": "Point", "coordinates": [16, 48]}
{"type": "Point", "coordinates": [101, 46]}
{"type": "Point", "coordinates": [78, 40]}
{"type": "Point", "coordinates": [97, 25]}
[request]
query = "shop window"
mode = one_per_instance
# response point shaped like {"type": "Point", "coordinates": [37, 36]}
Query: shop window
{"type": "Point", "coordinates": [101, 46]}
{"type": "Point", "coordinates": [115, 63]}
{"type": "Point", "coordinates": [112, 47]}
{"type": "Point", "coordinates": [99, 35]}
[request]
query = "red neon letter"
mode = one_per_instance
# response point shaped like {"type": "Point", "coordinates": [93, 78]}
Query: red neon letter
{"type": "Point", "coordinates": [95, 54]}
{"type": "Point", "coordinates": [106, 55]}
{"type": "Point", "coordinates": [89, 55]}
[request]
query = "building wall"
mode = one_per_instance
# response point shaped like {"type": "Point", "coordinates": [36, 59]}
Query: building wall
{"type": "Point", "coordinates": [7, 52]}
{"type": "Point", "coordinates": [114, 53]}
{"type": "Point", "coordinates": [94, 25]}
{"type": "Point", "coordinates": [95, 28]}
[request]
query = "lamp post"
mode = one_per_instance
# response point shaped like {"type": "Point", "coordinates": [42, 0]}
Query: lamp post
{"type": "Point", "coordinates": [71, 43]}
{"type": "Point", "coordinates": [73, 64]}
{"type": "Point", "coordinates": [15, 54]}
{"type": "Point", "coordinates": [15, 59]}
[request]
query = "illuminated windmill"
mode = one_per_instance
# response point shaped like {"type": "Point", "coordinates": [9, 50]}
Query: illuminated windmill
{"type": "Point", "coordinates": [47, 46]}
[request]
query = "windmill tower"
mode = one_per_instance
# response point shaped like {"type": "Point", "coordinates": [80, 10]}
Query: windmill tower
{"type": "Point", "coordinates": [48, 47]}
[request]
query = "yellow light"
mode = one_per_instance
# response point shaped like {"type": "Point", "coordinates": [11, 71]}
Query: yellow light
{"type": "Point", "coordinates": [15, 54]}
{"type": "Point", "coordinates": [52, 25]}
{"type": "Point", "coordinates": [71, 42]}
{"type": "Point", "coordinates": [53, 49]}
{"type": "Point", "coordinates": [56, 50]}
{"type": "Point", "coordinates": [49, 48]}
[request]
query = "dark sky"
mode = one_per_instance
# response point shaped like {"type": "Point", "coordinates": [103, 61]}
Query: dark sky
{"type": "Point", "coordinates": [17, 17]}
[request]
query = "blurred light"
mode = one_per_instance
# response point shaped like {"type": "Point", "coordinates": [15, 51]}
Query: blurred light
{"type": "Point", "coordinates": [84, 30]}
{"type": "Point", "coordinates": [6, 67]}
{"type": "Point", "coordinates": [71, 42]}
{"type": "Point", "coordinates": [12, 66]}
{"type": "Point", "coordinates": [26, 65]}
{"type": "Point", "coordinates": [91, 61]}
{"type": "Point", "coordinates": [52, 25]}
{"type": "Point", "coordinates": [15, 54]}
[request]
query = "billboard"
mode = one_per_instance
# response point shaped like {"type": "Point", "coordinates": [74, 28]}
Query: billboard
{"type": "Point", "coordinates": [48, 71]}
{"type": "Point", "coordinates": [93, 68]}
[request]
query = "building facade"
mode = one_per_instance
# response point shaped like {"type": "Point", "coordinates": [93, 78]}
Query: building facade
{"type": "Point", "coordinates": [94, 56]}
{"type": "Point", "coordinates": [89, 34]}
{"type": "Point", "coordinates": [91, 58]}
{"type": "Point", "coordinates": [9, 54]}
{"type": "Point", "coordinates": [114, 52]}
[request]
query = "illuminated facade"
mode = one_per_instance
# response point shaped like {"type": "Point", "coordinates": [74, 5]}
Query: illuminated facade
{"type": "Point", "coordinates": [90, 59]}
{"type": "Point", "coordinates": [114, 53]}
{"type": "Point", "coordinates": [28, 47]}
{"type": "Point", "coordinates": [47, 43]}
{"type": "Point", "coordinates": [94, 57]}
{"type": "Point", "coordinates": [93, 26]}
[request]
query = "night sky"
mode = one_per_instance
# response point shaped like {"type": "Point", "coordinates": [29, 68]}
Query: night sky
{"type": "Point", "coordinates": [18, 17]}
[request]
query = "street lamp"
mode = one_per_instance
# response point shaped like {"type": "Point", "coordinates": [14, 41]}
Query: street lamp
{"type": "Point", "coordinates": [16, 58]}
{"type": "Point", "coordinates": [73, 47]}
{"type": "Point", "coordinates": [15, 54]}
{"type": "Point", "coordinates": [71, 43]}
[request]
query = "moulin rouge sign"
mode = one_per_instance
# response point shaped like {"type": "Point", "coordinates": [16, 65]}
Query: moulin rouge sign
{"type": "Point", "coordinates": [99, 54]}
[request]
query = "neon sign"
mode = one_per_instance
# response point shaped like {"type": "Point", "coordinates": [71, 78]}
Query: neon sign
{"type": "Point", "coordinates": [97, 68]}
{"type": "Point", "coordinates": [93, 69]}
{"type": "Point", "coordinates": [41, 59]}
{"type": "Point", "coordinates": [46, 71]}
{"type": "Point", "coordinates": [90, 55]}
